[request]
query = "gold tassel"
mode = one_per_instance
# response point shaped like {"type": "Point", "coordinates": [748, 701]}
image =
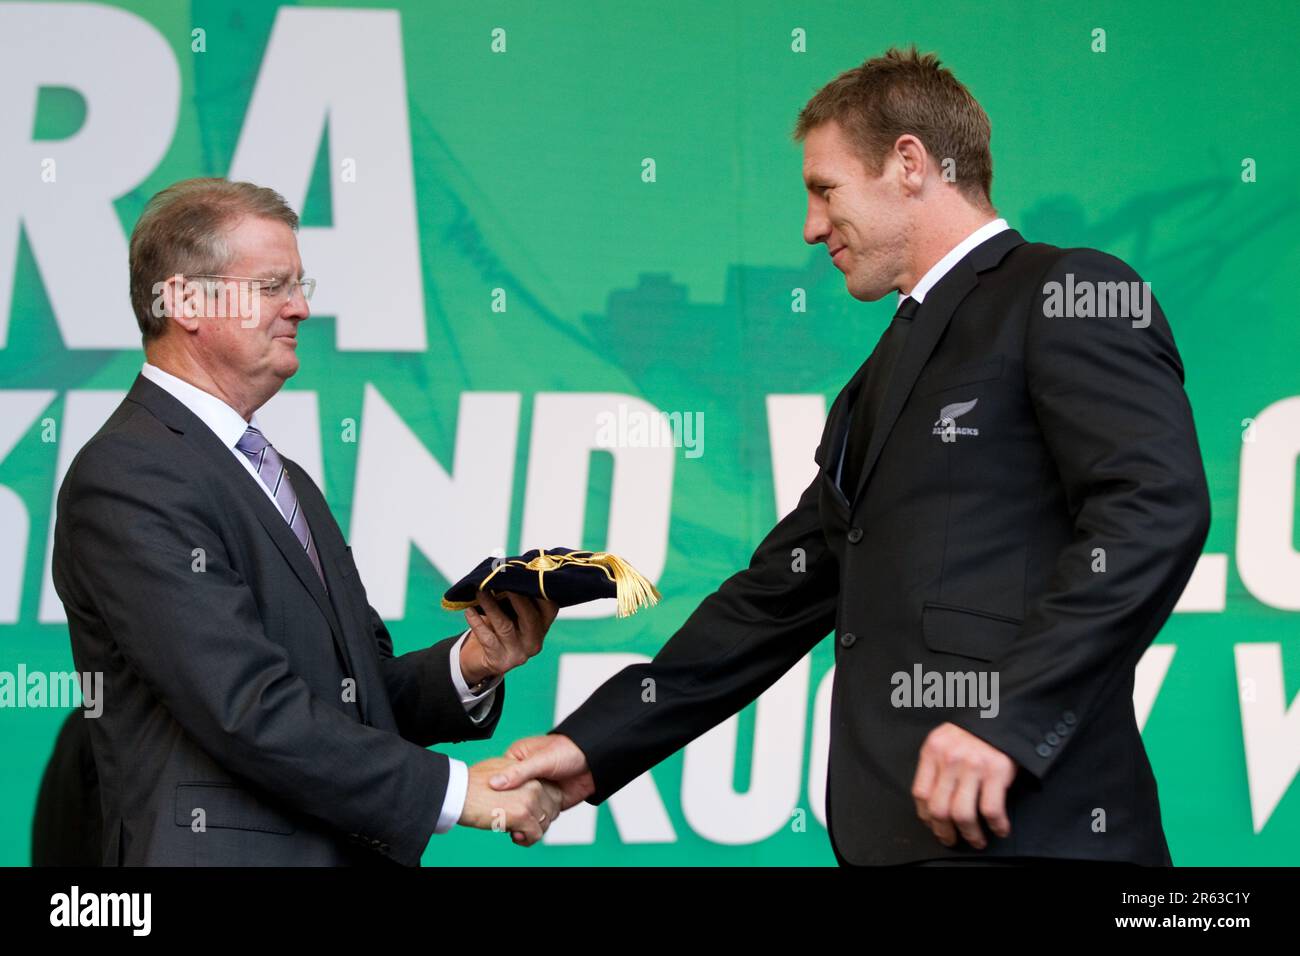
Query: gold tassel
{"type": "Point", "coordinates": [634, 590]}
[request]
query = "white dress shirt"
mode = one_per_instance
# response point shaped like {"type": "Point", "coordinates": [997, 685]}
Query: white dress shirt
{"type": "Point", "coordinates": [229, 426]}
{"type": "Point", "coordinates": [954, 256]}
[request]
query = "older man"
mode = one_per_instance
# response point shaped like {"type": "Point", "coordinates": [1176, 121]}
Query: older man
{"type": "Point", "coordinates": [256, 713]}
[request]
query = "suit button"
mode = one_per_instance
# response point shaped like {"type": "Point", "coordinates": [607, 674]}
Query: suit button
{"type": "Point", "coordinates": [1043, 750]}
{"type": "Point", "coordinates": [1062, 729]}
{"type": "Point", "coordinates": [855, 535]}
{"type": "Point", "coordinates": [1068, 717]}
{"type": "Point", "coordinates": [1052, 739]}
{"type": "Point", "coordinates": [848, 640]}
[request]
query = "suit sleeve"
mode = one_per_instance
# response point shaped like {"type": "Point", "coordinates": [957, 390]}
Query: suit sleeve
{"type": "Point", "coordinates": [196, 639]}
{"type": "Point", "coordinates": [735, 645]}
{"type": "Point", "coordinates": [425, 701]}
{"type": "Point", "coordinates": [1108, 396]}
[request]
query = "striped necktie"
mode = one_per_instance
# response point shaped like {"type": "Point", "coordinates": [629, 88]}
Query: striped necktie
{"type": "Point", "coordinates": [271, 470]}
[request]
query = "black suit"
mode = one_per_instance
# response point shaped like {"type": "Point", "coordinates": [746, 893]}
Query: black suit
{"type": "Point", "coordinates": [224, 662]}
{"type": "Point", "coordinates": [965, 555]}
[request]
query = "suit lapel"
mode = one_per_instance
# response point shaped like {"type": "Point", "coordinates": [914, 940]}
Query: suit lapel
{"type": "Point", "coordinates": [318, 518]}
{"type": "Point", "coordinates": [269, 516]}
{"type": "Point", "coordinates": [838, 423]}
{"type": "Point", "coordinates": [246, 490]}
{"type": "Point", "coordinates": [928, 327]}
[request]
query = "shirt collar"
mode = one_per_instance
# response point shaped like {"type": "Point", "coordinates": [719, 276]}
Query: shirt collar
{"type": "Point", "coordinates": [226, 423]}
{"type": "Point", "coordinates": [954, 256]}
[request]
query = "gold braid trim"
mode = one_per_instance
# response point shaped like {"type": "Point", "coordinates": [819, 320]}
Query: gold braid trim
{"type": "Point", "coordinates": [634, 591]}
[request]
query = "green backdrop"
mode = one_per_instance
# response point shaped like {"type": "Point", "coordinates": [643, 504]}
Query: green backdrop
{"type": "Point", "coordinates": [1174, 148]}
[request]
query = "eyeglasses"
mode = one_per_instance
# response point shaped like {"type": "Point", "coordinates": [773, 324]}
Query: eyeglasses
{"type": "Point", "coordinates": [271, 288]}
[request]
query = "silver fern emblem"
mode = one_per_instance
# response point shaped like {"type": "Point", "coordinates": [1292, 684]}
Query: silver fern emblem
{"type": "Point", "coordinates": [954, 411]}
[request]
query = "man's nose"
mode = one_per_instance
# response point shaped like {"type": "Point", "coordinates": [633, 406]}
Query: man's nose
{"type": "Point", "coordinates": [816, 226]}
{"type": "Point", "coordinates": [296, 307]}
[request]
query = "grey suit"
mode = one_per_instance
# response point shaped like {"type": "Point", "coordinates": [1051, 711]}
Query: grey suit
{"type": "Point", "coordinates": [227, 736]}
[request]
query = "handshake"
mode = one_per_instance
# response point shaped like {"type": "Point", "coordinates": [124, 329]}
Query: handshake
{"type": "Point", "coordinates": [524, 791]}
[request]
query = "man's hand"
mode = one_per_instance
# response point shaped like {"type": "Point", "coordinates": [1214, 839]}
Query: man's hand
{"type": "Point", "coordinates": [553, 758]}
{"type": "Point", "coordinates": [497, 644]}
{"type": "Point", "coordinates": [957, 772]}
{"type": "Point", "coordinates": [526, 812]}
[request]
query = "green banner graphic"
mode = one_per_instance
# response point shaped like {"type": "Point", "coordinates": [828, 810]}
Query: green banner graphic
{"type": "Point", "coordinates": [526, 216]}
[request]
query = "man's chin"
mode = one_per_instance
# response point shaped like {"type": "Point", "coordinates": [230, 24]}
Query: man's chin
{"type": "Point", "coordinates": [287, 367]}
{"type": "Point", "coordinates": [864, 295]}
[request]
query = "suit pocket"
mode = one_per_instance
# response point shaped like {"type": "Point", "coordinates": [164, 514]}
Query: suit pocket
{"type": "Point", "coordinates": [968, 374]}
{"type": "Point", "coordinates": [227, 806]}
{"type": "Point", "coordinates": [981, 635]}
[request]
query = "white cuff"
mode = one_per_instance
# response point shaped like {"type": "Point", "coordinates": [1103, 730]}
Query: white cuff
{"type": "Point", "coordinates": [453, 804]}
{"type": "Point", "coordinates": [478, 706]}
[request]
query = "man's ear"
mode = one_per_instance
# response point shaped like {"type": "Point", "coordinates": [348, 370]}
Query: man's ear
{"type": "Point", "coordinates": [181, 300]}
{"type": "Point", "coordinates": [914, 162]}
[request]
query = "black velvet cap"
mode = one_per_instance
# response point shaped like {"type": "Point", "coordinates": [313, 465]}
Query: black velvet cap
{"type": "Point", "coordinates": [562, 575]}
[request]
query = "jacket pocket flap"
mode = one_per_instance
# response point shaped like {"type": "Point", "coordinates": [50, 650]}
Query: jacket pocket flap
{"type": "Point", "coordinates": [981, 635]}
{"type": "Point", "coordinates": [227, 806]}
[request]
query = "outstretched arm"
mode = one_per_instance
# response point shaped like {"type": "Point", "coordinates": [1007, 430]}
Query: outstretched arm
{"type": "Point", "coordinates": [735, 645]}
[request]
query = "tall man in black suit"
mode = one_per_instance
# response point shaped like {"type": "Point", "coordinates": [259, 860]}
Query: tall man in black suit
{"type": "Point", "coordinates": [1009, 489]}
{"type": "Point", "coordinates": [255, 712]}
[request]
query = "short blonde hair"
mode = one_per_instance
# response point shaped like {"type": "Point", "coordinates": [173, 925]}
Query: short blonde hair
{"type": "Point", "coordinates": [906, 92]}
